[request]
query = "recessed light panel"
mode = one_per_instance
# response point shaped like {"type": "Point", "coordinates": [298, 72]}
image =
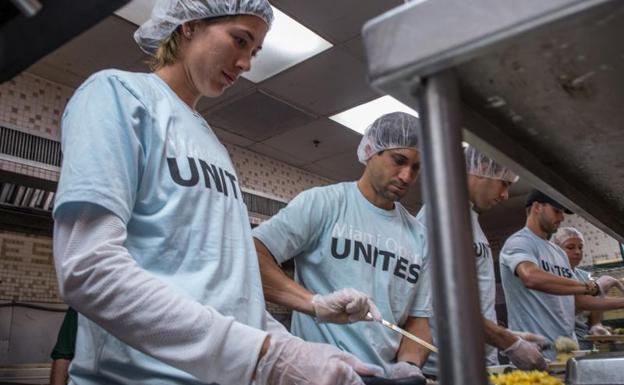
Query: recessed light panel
{"type": "Point", "coordinates": [360, 117]}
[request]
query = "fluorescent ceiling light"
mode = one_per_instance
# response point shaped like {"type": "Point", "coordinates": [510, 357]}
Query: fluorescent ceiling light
{"type": "Point", "coordinates": [136, 11]}
{"type": "Point", "coordinates": [360, 117]}
{"type": "Point", "coordinates": [287, 44]}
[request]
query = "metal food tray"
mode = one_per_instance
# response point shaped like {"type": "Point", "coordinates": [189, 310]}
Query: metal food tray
{"type": "Point", "coordinates": [599, 369]}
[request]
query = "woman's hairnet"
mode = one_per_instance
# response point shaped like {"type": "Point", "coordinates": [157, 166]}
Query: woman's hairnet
{"type": "Point", "coordinates": [480, 165]}
{"type": "Point", "coordinates": [393, 130]}
{"type": "Point", "coordinates": [167, 15]}
{"type": "Point", "coordinates": [565, 233]}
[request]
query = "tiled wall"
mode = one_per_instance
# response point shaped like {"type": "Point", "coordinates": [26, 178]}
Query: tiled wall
{"type": "Point", "coordinates": [35, 105]}
{"type": "Point", "coordinates": [27, 269]}
{"type": "Point", "coordinates": [598, 247]}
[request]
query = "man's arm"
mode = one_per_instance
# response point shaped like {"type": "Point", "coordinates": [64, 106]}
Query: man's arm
{"type": "Point", "coordinates": [341, 306]}
{"type": "Point", "coordinates": [498, 336]}
{"type": "Point", "coordinates": [60, 368]}
{"type": "Point", "coordinates": [280, 288]}
{"type": "Point", "coordinates": [536, 279]}
{"type": "Point", "coordinates": [586, 302]}
{"type": "Point", "coordinates": [595, 318]}
{"type": "Point", "coordinates": [410, 350]}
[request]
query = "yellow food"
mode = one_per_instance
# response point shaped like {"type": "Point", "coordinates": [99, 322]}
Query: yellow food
{"type": "Point", "coordinates": [563, 357]}
{"type": "Point", "coordinates": [520, 377]}
{"type": "Point", "coordinates": [565, 345]}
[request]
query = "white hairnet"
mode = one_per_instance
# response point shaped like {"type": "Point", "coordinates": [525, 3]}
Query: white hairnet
{"type": "Point", "coordinates": [480, 165]}
{"type": "Point", "coordinates": [167, 15]}
{"type": "Point", "coordinates": [393, 130]}
{"type": "Point", "coordinates": [565, 233]}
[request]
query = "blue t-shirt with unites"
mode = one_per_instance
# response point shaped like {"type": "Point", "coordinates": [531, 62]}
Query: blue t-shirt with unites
{"type": "Point", "coordinates": [338, 239]}
{"type": "Point", "coordinates": [132, 146]}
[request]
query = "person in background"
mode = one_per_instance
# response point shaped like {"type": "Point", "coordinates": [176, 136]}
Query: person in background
{"type": "Point", "coordinates": [586, 323]}
{"type": "Point", "coordinates": [63, 351]}
{"type": "Point", "coordinates": [152, 242]}
{"type": "Point", "coordinates": [488, 185]}
{"type": "Point", "coordinates": [356, 235]}
{"type": "Point", "coordinates": [540, 287]}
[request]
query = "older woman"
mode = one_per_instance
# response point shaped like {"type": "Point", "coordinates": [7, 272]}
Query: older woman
{"type": "Point", "coordinates": [152, 241]}
{"type": "Point", "coordinates": [571, 241]}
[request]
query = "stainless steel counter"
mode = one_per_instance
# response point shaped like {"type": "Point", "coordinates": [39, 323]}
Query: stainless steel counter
{"type": "Point", "coordinates": [541, 89]}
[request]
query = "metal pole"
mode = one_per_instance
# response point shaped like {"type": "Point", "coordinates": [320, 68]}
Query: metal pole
{"type": "Point", "coordinates": [458, 317]}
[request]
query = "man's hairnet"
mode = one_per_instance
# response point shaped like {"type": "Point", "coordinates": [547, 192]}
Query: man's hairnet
{"type": "Point", "coordinates": [480, 165]}
{"type": "Point", "coordinates": [565, 233]}
{"type": "Point", "coordinates": [393, 130]}
{"type": "Point", "coordinates": [167, 15]}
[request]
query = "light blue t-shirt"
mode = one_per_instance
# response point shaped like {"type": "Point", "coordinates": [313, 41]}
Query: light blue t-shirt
{"type": "Point", "coordinates": [132, 146]}
{"type": "Point", "coordinates": [531, 310]}
{"type": "Point", "coordinates": [338, 240]}
{"type": "Point", "coordinates": [487, 289]}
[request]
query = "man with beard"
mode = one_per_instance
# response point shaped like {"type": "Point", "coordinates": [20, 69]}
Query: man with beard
{"type": "Point", "coordinates": [539, 283]}
{"type": "Point", "coordinates": [355, 237]}
{"type": "Point", "coordinates": [488, 185]}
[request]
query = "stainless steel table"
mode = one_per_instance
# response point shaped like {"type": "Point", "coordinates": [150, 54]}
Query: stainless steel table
{"type": "Point", "coordinates": [536, 84]}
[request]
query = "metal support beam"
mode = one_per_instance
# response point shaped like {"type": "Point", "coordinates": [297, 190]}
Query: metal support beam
{"type": "Point", "coordinates": [456, 300]}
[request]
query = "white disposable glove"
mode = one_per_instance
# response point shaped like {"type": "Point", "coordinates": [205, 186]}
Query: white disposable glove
{"type": "Point", "coordinates": [537, 339]}
{"type": "Point", "coordinates": [525, 355]}
{"type": "Point", "coordinates": [606, 282]}
{"type": "Point", "coordinates": [599, 330]}
{"type": "Point", "coordinates": [292, 361]}
{"type": "Point", "coordinates": [403, 369]}
{"type": "Point", "coordinates": [344, 306]}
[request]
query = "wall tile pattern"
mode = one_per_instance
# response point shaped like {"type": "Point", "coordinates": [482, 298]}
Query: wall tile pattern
{"type": "Point", "coordinates": [27, 269]}
{"type": "Point", "coordinates": [598, 246]}
{"type": "Point", "coordinates": [34, 105]}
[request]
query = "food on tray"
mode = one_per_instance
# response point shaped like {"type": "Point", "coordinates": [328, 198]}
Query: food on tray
{"type": "Point", "coordinates": [520, 377]}
{"type": "Point", "coordinates": [618, 331]}
{"type": "Point", "coordinates": [564, 347]}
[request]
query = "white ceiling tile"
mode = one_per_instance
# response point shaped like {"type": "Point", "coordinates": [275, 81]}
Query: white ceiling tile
{"type": "Point", "coordinates": [276, 153]}
{"type": "Point", "coordinates": [355, 47]}
{"type": "Point", "coordinates": [109, 44]}
{"type": "Point", "coordinates": [341, 167]}
{"type": "Point", "coordinates": [325, 84]}
{"type": "Point", "coordinates": [257, 116]}
{"type": "Point", "coordinates": [338, 21]}
{"type": "Point", "coordinates": [242, 87]}
{"type": "Point", "coordinates": [332, 138]}
{"type": "Point", "coordinates": [230, 137]}
{"type": "Point", "coordinates": [56, 74]}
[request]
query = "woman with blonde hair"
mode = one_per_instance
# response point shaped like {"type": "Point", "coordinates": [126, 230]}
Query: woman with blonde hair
{"type": "Point", "coordinates": [152, 241]}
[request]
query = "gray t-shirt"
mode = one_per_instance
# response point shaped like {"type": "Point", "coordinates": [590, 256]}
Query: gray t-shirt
{"type": "Point", "coordinates": [581, 326]}
{"type": "Point", "coordinates": [530, 310]}
{"type": "Point", "coordinates": [487, 289]}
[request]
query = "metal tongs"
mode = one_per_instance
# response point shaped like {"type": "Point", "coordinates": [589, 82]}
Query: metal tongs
{"type": "Point", "coordinates": [405, 333]}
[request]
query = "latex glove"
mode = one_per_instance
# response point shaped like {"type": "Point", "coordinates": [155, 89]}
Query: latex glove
{"type": "Point", "coordinates": [344, 306]}
{"type": "Point", "coordinates": [606, 282]}
{"type": "Point", "coordinates": [599, 330]}
{"type": "Point", "coordinates": [525, 355]}
{"type": "Point", "coordinates": [292, 361]}
{"type": "Point", "coordinates": [402, 369]}
{"type": "Point", "coordinates": [537, 339]}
